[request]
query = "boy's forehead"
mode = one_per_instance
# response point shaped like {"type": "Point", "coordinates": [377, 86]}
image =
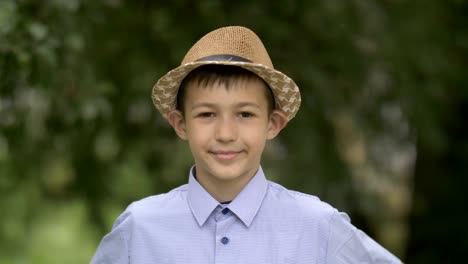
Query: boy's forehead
{"type": "Point", "coordinates": [214, 83]}
{"type": "Point", "coordinates": [251, 89]}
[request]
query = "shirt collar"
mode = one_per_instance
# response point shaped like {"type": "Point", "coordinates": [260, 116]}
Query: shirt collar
{"type": "Point", "coordinates": [200, 201]}
{"type": "Point", "coordinates": [245, 205]}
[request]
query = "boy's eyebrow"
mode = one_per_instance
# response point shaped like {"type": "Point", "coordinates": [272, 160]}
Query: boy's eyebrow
{"type": "Point", "coordinates": [202, 105]}
{"type": "Point", "coordinates": [242, 104]}
{"type": "Point", "coordinates": [213, 105]}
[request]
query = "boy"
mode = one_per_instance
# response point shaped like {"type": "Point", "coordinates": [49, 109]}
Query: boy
{"type": "Point", "coordinates": [227, 100]}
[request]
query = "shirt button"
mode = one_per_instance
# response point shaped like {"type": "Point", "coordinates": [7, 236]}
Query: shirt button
{"type": "Point", "coordinates": [225, 211]}
{"type": "Point", "coordinates": [224, 240]}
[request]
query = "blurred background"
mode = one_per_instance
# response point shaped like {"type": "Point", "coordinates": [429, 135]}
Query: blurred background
{"type": "Point", "coordinates": [381, 134]}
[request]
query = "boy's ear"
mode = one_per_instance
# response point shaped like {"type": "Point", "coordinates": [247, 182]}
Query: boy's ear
{"type": "Point", "coordinates": [176, 119]}
{"type": "Point", "coordinates": [277, 122]}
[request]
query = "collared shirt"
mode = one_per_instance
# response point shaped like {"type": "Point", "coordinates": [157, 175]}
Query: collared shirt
{"type": "Point", "coordinates": [265, 223]}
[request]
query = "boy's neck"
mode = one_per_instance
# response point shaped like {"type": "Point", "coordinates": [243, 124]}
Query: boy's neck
{"type": "Point", "coordinates": [223, 191]}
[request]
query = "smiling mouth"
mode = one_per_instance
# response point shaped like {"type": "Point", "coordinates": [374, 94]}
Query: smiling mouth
{"type": "Point", "coordinates": [225, 155]}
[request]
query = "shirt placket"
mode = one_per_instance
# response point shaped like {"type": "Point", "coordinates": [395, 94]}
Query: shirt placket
{"type": "Point", "coordinates": [223, 244]}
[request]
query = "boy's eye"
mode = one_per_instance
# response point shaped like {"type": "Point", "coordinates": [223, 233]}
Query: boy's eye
{"type": "Point", "coordinates": [206, 114]}
{"type": "Point", "coordinates": [246, 114]}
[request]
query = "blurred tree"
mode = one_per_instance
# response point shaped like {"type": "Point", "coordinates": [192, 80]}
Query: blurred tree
{"type": "Point", "coordinates": [437, 221]}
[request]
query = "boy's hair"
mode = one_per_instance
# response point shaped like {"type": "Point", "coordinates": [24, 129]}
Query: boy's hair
{"type": "Point", "coordinates": [210, 74]}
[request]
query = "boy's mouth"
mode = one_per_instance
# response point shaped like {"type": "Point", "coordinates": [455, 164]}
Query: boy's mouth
{"type": "Point", "coordinates": [225, 155]}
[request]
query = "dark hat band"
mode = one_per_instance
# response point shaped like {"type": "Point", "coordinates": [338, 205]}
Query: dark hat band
{"type": "Point", "coordinates": [224, 57]}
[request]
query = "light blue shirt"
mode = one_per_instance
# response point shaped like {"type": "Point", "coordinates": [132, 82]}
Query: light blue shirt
{"type": "Point", "coordinates": [265, 223]}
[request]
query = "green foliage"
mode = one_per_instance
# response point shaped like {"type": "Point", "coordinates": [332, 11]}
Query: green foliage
{"type": "Point", "coordinates": [80, 139]}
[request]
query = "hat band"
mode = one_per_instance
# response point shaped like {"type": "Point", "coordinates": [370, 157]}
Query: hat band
{"type": "Point", "coordinates": [224, 57]}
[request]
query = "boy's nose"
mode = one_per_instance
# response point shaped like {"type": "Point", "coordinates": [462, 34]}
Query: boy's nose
{"type": "Point", "coordinates": [226, 130]}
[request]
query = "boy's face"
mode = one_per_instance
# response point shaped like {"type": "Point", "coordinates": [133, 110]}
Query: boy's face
{"type": "Point", "coordinates": [227, 129]}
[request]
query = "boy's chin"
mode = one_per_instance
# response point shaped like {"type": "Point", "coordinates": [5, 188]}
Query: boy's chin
{"type": "Point", "coordinates": [228, 172]}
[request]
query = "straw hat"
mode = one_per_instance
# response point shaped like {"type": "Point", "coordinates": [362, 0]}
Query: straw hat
{"type": "Point", "coordinates": [238, 46]}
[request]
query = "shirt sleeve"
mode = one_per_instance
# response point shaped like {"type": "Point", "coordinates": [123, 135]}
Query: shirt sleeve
{"type": "Point", "coordinates": [347, 244]}
{"type": "Point", "coordinates": [113, 248]}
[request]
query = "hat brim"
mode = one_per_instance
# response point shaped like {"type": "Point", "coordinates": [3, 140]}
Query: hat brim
{"type": "Point", "coordinates": [285, 90]}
